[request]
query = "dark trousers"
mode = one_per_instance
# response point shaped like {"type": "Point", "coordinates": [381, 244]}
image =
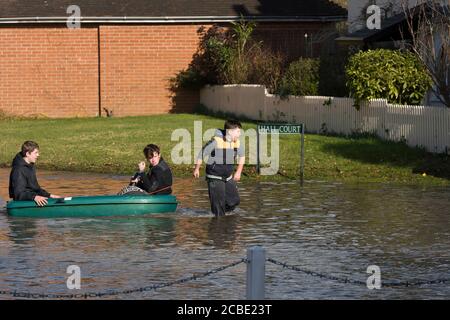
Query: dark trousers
{"type": "Point", "coordinates": [223, 196]}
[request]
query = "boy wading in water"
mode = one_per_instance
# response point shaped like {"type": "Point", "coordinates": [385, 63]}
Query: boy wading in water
{"type": "Point", "coordinates": [222, 150]}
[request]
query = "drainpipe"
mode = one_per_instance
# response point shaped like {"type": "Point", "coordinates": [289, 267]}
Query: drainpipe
{"type": "Point", "coordinates": [99, 74]}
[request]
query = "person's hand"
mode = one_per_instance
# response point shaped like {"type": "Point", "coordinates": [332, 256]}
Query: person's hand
{"type": "Point", "coordinates": [141, 166]}
{"type": "Point", "coordinates": [196, 173]}
{"type": "Point", "coordinates": [40, 201]}
{"type": "Point", "coordinates": [54, 196]}
{"type": "Point", "coordinates": [135, 180]}
{"type": "Point", "coordinates": [237, 176]}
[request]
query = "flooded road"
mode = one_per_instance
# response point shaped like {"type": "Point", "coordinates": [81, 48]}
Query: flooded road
{"type": "Point", "coordinates": [332, 228]}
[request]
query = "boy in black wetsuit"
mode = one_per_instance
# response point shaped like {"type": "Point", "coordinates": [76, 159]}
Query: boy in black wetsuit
{"type": "Point", "coordinates": [159, 178]}
{"type": "Point", "coordinates": [222, 151]}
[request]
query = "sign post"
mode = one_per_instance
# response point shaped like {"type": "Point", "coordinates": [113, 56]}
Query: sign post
{"type": "Point", "coordinates": [282, 128]}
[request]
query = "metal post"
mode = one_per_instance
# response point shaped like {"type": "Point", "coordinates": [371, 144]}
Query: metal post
{"type": "Point", "coordinates": [302, 154]}
{"type": "Point", "coordinates": [256, 272]}
{"type": "Point", "coordinates": [258, 165]}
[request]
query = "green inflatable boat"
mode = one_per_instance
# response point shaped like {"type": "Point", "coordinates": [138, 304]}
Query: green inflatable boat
{"type": "Point", "coordinates": [95, 206]}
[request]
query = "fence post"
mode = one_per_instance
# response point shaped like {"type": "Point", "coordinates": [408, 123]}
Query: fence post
{"type": "Point", "coordinates": [256, 272]}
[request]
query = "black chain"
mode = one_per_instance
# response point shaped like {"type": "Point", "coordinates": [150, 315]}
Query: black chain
{"type": "Point", "coordinates": [315, 274]}
{"type": "Point", "coordinates": [195, 276]}
{"type": "Point", "coordinates": [205, 274]}
{"type": "Point", "coordinates": [358, 282]}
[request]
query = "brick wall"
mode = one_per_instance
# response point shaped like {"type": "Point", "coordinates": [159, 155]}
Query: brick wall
{"type": "Point", "coordinates": [49, 71]}
{"type": "Point", "coordinates": [54, 71]}
{"type": "Point", "coordinates": [137, 63]}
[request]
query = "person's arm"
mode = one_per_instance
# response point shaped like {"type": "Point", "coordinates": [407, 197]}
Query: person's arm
{"type": "Point", "coordinates": [197, 168]}
{"type": "Point", "coordinates": [44, 193]}
{"type": "Point", "coordinates": [206, 151]}
{"type": "Point", "coordinates": [241, 161]}
{"type": "Point", "coordinates": [237, 174]}
{"type": "Point", "coordinates": [139, 175]}
{"type": "Point", "coordinates": [21, 192]}
{"type": "Point", "coordinates": [151, 182]}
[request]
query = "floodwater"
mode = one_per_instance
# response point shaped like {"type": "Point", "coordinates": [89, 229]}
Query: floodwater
{"type": "Point", "coordinates": [331, 228]}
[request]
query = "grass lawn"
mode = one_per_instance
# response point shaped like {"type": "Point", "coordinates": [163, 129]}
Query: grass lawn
{"type": "Point", "coordinates": [114, 145]}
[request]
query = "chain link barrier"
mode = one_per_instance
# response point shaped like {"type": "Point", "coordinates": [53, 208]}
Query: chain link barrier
{"type": "Point", "coordinates": [415, 283]}
{"type": "Point", "coordinates": [195, 276]}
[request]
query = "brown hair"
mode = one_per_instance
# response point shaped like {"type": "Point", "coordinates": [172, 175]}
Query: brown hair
{"type": "Point", "coordinates": [28, 146]}
{"type": "Point", "coordinates": [150, 149]}
{"type": "Point", "coordinates": [232, 124]}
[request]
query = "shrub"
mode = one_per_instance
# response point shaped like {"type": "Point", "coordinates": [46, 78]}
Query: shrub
{"type": "Point", "coordinates": [301, 78]}
{"type": "Point", "coordinates": [230, 57]}
{"type": "Point", "coordinates": [396, 76]}
{"type": "Point", "coordinates": [266, 69]}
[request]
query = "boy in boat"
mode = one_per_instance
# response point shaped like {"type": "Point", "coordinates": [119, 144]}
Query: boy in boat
{"type": "Point", "coordinates": [159, 178]}
{"type": "Point", "coordinates": [23, 184]}
{"type": "Point", "coordinates": [222, 151]}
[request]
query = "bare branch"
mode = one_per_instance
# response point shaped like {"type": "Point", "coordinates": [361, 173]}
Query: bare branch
{"type": "Point", "coordinates": [429, 26]}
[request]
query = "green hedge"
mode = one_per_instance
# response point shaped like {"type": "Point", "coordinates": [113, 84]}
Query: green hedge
{"type": "Point", "coordinates": [397, 76]}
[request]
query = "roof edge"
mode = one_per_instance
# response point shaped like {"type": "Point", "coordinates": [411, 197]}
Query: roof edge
{"type": "Point", "coordinates": [203, 19]}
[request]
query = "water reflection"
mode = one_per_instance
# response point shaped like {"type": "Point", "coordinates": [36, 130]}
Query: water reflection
{"type": "Point", "coordinates": [334, 228]}
{"type": "Point", "coordinates": [21, 231]}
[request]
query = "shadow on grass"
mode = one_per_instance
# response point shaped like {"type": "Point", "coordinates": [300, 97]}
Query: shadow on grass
{"type": "Point", "coordinates": [372, 150]}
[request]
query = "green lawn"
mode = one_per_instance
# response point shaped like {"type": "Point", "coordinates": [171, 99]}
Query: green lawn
{"type": "Point", "coordinates": [114, 145]}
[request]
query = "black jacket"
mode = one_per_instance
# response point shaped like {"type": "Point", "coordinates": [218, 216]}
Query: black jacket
{"type": "Point", "coordinates": [23, 183]}
{"type": "Point", "coordinates": [159, 177]}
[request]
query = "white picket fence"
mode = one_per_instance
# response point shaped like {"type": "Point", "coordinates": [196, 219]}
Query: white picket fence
{"type": "Point", "coordinates": [422, 126]}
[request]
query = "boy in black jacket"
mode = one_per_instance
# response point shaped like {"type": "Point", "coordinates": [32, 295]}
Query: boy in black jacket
{"type": "Point", "coordinates": [159, 179]}
{"type": "Point", "coordinates": [23, 183]}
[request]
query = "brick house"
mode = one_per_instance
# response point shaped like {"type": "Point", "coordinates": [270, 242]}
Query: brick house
{"type": "Point", "coordinates": [125, 52]}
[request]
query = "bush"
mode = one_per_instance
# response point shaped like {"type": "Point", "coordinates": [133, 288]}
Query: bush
{"type": "Point", "coordinates": [301, 78]}
{"type": "Point", "coordinates": [396, 76]}
{"type": "Point", "coordinates": [266, 69]}
{"type": "Point", "coordinates": [230, 57]}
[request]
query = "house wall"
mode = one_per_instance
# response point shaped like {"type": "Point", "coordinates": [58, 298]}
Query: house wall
{"type": "Point", "coordinates": [137, 63]}
{"type": "Point", "coordinates": [289, 38]}
{"type": "Point", "coordinates": [53, 71]}
{"type": "Point", "coordinates": [49, 71]}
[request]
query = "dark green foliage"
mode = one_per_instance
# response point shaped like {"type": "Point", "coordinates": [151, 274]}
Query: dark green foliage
{"type": "Point", "coordinates": [396, 76]}
{"type": "Point", "coordinates": [301, 78]}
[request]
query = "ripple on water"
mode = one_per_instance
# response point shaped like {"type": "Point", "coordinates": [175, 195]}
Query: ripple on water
{"type": "Point", "coordinates": [333, 228]}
